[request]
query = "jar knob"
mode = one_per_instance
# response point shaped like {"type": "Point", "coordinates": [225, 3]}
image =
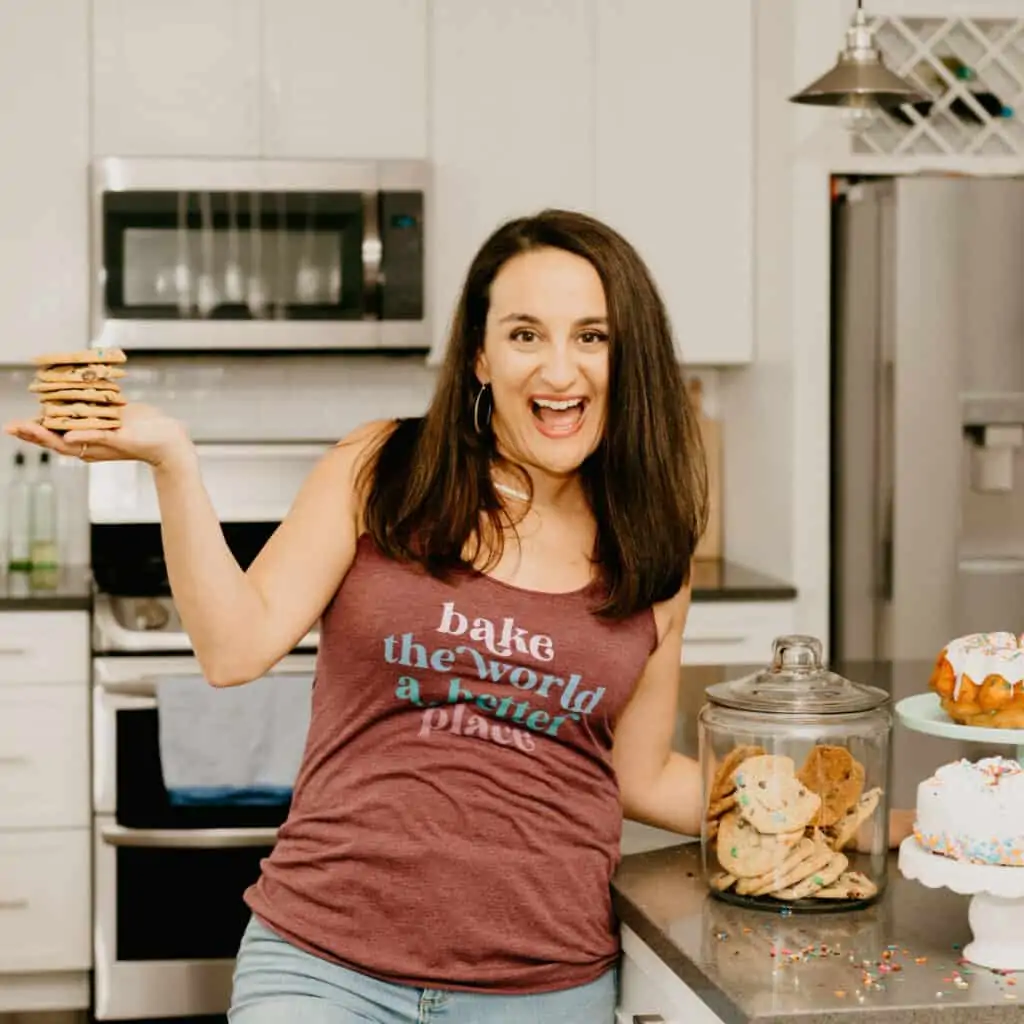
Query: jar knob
{"type": "Point", "coordinates": [796, 652]}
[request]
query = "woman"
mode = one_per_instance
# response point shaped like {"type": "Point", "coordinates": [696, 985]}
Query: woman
{"type": "Point", "coordinates": [502, 588]}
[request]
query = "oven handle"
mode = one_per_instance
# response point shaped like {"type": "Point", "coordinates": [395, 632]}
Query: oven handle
{"type": "Point", "coordinates": [187, 839]}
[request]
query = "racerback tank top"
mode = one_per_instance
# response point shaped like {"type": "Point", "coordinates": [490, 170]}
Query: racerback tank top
{"type": "Point", "coordinates": [455, 822]}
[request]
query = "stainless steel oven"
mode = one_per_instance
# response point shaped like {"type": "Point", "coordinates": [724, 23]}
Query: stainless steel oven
{"type": "Point", "coordinates": [168, 880]}
{"type": "Point", "coordinates": [169, 876]}
{"type": "Point", "coordinates": [215, 255]}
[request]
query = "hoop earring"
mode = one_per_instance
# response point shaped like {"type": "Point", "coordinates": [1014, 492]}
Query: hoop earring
{"type": "Point", "coordinates": [476, 409]}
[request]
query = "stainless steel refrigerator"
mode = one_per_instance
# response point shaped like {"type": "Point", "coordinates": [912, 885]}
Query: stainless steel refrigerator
{"type": "Point", "coordinates": [927, 485]}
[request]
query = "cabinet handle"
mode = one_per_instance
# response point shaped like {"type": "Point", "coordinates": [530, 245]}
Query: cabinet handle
{"type": "Point", "coordinates": [13, 904]}
{"type": "Point", "coordinates": [648, 1018]}
{"type": "Point", "coordinates": [13, 651]}
{"type": "Point", "coordinates": [12, 759]}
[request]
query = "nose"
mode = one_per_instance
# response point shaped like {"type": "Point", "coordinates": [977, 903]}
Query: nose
{"type": "Point", "coordinates": [559, 369]}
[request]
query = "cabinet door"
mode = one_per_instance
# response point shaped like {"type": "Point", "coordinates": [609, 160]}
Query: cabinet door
{"type": "Point", "coordinates": [345, 78]}
{"type": "Point", "coordinates": [176, 77]}
{"type": "Point", "coordinates": [512, 126]}
{"type": "Point", "coordinates": [44, 120]}
{"type": "Point", "coordinates": [675, 160]}
{"type": "Point", "coordinates": [44, 757]}
{"type": "Point", "coordinates": [44, 901]}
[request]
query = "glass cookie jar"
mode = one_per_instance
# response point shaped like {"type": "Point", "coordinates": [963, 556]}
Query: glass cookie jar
{"type": "Point", "coordinates": [795, 768]}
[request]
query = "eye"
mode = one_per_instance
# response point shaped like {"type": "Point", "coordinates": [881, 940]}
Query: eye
{"type": "Point", "coordinates": [593, 337]}
{"type": "Point", "coordinates": [524, 334]}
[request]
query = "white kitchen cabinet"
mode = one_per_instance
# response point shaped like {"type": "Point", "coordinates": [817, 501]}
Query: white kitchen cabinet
{"type": "Point", "coordinates": [281, 78]}
{"type": "Point", "coordinates": [511, 126]}
{"type": "Point", "coordinates": [176, 77]}
{"type": "Point", "coordinates": [675, 160]}
{"type": "Point", "coordinates": [44, 648]}
{"type": "Point", "coordinates": [345, 78]}
{"type": "Point", "coordinates": [45, 811]}
{"type": "Point", "coordinates": [650, 990]}
{"type": "Point", "coordinates": [44, 757]}
{"type": "Point", "coordinates": [44, 122]}
{"type": "Point", "coordinates": [44, 902]}
{"type": "Point", "coordinates": [735, 632]}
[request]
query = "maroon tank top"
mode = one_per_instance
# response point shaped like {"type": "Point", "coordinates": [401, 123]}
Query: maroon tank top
{"type": "Point", "coordinates": [456, 820]}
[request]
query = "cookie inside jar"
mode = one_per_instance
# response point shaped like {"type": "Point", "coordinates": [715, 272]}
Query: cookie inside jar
{"type": "Point", "coordinates": [795, 763]}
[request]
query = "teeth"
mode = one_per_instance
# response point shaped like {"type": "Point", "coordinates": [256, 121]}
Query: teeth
{"type": "Point", "coordinates": [547, 403]}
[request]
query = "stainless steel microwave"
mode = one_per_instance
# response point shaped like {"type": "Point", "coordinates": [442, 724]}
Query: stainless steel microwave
{"type": "Point", "coordinates": [210, 255]}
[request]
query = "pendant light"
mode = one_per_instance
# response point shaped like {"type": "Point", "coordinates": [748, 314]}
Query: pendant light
{"type": "Point", "coordinates": [859, 82]}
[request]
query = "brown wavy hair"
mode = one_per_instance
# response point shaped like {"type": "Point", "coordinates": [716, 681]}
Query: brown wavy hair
{"type": "Point", "coordinates": [429, 495]}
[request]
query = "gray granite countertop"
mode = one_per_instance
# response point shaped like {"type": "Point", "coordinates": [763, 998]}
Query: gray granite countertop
{"type": "Point", "coordinates": [719, 580]}
{"type": "Point", "coordinates": [69, 589]}
{"type": "Point", "coordinates": [897, 962]}
{"type": "Point", "coordinates": [826, 968]}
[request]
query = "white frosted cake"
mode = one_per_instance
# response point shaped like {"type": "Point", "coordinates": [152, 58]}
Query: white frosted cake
{"type": "Point", "coordinates": [974, 811]}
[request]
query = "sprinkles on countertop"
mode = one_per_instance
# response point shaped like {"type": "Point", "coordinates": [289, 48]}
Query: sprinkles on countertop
{"type": "Point", "coordinates": [891, 964]}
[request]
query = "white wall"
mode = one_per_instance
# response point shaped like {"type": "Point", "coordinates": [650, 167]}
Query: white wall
{"type": "Point", "coordinates": [756, 402]}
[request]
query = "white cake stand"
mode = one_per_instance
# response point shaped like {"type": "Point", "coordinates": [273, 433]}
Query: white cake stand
{"type": "Point", "coordinates": [996, 909]}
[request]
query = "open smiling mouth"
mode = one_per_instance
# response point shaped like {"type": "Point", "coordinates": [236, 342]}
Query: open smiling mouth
{"type": "Point", "coordinates": [559, 417]}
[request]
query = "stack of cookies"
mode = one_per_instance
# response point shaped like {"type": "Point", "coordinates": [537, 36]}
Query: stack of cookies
{"type": "Point", "coordinates": [80, 390]}
{"type": "Point", "coordinates": [780, 833]}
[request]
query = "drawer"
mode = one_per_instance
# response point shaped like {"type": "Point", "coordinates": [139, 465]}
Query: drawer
{"type": "Point", "coordinates": [44, 647]}
{"type": "Point", "coordinates": [735, 632]}
{"type": "Point", "coordinates": [44, 901]}
{"type": "Point", "coordinates": [650, 991]}
{"type": "Point", "coordinates": [44, 756]}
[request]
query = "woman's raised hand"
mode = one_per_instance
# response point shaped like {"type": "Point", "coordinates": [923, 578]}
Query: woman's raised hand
{"type": "Point", "coordinates": [145, 435]}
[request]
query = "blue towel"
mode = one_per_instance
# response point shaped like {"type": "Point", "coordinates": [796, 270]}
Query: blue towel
{"type": "Point", "coordinates": [237, 745]}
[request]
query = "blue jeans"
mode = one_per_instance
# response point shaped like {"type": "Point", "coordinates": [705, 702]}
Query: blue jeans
{"type": "Point", "coordinates": [277, 983]}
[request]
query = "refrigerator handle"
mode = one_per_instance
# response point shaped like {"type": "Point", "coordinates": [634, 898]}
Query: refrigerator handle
{"type": "Point", "coordinates": [885, 498]}
{"type": "Point", "coordinates": [884, 574]}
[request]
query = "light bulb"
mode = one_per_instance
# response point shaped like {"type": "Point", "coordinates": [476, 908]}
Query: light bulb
{"type": "Point", "coordinates": [859, 119]}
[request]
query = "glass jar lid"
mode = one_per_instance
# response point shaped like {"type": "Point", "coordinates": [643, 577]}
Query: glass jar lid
{"type": "Point", "coordinates": [796, 683]}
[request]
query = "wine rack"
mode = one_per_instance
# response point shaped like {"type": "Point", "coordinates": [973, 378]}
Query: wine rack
{"type": "Point", "coordinates": [972, 72]}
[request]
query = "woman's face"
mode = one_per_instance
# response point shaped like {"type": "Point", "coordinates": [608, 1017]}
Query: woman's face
{"type": "Point", "coordinates": [545, 355]}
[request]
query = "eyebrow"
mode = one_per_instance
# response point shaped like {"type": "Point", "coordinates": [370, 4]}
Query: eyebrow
{"type": "Point", "coordinates": [526, 318]}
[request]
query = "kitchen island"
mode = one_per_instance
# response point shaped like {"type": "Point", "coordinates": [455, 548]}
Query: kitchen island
{"type": "Point", "coordinates": [897, 962]}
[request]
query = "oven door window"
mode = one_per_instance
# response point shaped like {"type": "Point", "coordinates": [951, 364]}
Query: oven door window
{"type": "Point", "coordinates": [142, 798]}
{"type": "Point", "coordinates": [183, 904]}
{"type": "Point", "coordinates": [235, 255]}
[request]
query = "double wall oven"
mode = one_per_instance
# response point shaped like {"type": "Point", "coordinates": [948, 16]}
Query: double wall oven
{"type": "Point", "coordinates": [169, 879]}
{"type": "Point", "coordinates": [259, 254]}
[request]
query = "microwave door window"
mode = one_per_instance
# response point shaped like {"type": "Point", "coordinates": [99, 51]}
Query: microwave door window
{"type": "Point", "coordinates": [177, 255]}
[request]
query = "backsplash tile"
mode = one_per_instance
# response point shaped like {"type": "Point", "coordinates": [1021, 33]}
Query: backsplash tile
{"type": "Point", "coordinates": [243, 398]}
{"type": "Point", "coordinates": [240, 398]}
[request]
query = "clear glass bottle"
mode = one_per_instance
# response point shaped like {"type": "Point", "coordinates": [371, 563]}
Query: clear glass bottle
{"type": "Point", "coordinates": [19, 517]}
{"type": "Point", "coordinates": [43, 547]}
{"type": "Point", "coordinates": [795, 770]}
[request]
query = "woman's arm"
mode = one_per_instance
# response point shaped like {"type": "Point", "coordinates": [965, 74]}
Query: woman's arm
{"type": "Point", "coordinates": [242, 623]}
{"type": "Point", "coordinates": [659, 786]}
{"type": "Point", "coordinates": [239, 623]}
